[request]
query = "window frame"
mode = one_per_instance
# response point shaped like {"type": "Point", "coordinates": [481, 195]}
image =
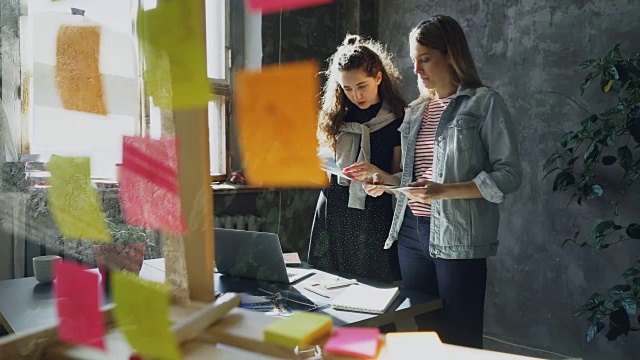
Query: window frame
{"type": "Point", "coordinates": [222, 87]}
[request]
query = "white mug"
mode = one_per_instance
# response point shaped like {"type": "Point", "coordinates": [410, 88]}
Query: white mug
{"type": "Point", "coordinates": [43, 268]}
{"type": "Point", "coordinates": [229, 222]}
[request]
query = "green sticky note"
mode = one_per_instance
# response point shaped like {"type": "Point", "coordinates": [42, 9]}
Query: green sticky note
{"type": "Point", "coordinates": [173, 42]}
{"type": "Point", "coordinates": [75, 205]}
{"type": "Point", "coordinates": [142, 314]}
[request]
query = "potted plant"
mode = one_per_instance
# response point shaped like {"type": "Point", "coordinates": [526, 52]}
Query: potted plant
{"type": "Point", "coordinates": [126, 253]}
{"type": "Point", "coordinates": [608, 139]}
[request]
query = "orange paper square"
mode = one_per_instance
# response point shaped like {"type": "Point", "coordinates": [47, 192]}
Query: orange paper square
{"type": "Point", "coordinates": [78, 75]}
{"type": "Point", "coordinates": [277, 112]}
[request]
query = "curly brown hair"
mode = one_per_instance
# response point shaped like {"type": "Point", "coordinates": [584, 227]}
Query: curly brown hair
{"type": "Point", "coordinates": [354, 53]}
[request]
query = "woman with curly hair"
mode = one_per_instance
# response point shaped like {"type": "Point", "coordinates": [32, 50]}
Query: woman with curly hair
{"type": "Point", "coordinates": [362, 108]}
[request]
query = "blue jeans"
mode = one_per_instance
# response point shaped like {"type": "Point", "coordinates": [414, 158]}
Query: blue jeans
{"type": "Point", "coordinates": [461, 284]}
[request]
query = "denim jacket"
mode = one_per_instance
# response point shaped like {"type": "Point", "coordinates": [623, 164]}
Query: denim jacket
{"type": "Point", "coordinates": [475, 141]}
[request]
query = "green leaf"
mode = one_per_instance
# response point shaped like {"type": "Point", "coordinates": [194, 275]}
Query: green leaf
{"type": "Point", "coordinates": [632, 172]}
{"type": "Point", "coordinates": [619, 324]}
{"type": "Point", "coordinates": [615, 54]}
{"type": "Point", "coordinates": [586, 64]}
{"type": "Point", "coordinates": [549, 172]}
{"type": "Point", "coordinates": [631, 272]}
{"type": "Point", "coordinates": [551, 160]}
{"type": "Point", "coordinates": [594, 329]}
{"type": "Point", "coordinates": [572, 161]}
{"type": "Point", "coordinates": [609, 160]}
{"type": "Point", "coordinates": [600, 226]}
{"type": "Point", "coordinates": [591, 151]}
{"type": "Point", "coordinates": [587, 81]}
{"type": "Point", "coordinates": [614, 110]}
{"type": "Point", "coordinates": [618, 290]}
{"type": "Point", "coordinates": [594, 192]}
{"type": "Point", "coordinates": [633, 231]}
{"type": "Point", "coordinates": [593, 300]}
{"type": "Point", "coordinates": [625, 156]}
{"type": "Point", "coordinates": [581, 310]}
{"type": "Point", "coordinates": [629, 303]}
{"type": "Point", "coordinates": [608, 306]}
{"type": "Point", "coordinates": [613, 72]}
{"type": "Point", "coordinates": [563, 180]}
{"type": "Point", "coordinates": [598, 245]}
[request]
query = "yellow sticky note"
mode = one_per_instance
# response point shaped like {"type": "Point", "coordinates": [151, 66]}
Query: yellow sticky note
{"type": "Point", "coordinates": [74, 204]}
{"type": "Point", "coordinates": [277, 111]}
{"type": "Point", "coordinates": [142, 314]}
{"type": "Point", "coordinates": [301, 328]}
{"type": "Point", "coordinates": [172, 38]}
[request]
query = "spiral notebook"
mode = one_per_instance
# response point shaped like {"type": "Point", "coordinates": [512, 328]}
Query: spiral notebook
{"type": "Point", "coordinates": [364, 298]}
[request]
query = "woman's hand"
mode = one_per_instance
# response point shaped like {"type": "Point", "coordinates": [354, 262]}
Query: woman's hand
{"type": "Point", "coordinates": [425, 191]}
{"type": "Point", "coordinates": [370, 188]}
{"type": "Point", "coordinates": [360, 171]}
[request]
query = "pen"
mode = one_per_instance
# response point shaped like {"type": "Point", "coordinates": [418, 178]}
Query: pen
{"type": "Point", "coordinates": [315, 288]}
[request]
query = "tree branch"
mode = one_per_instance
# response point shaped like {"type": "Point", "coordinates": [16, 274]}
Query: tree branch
{"type": "Point", "coordinates": [568, 97]}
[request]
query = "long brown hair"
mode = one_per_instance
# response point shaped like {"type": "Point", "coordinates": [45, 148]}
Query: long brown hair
{"type": "Point", "coordinates": [356, 53]}
{"type": "Point", "coordinates": [444, 34]}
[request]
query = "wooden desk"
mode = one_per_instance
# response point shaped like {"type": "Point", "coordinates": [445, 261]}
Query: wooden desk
{"type": "Point", "coordinates": [25, 304]}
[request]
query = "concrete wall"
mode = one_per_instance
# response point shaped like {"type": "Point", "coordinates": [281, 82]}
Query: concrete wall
{"type": "Point", "coordinates": [524, 48]}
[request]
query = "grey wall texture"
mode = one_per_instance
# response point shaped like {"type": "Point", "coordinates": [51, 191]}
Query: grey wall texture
{"type": "Point", "coordinates": [524, 49]}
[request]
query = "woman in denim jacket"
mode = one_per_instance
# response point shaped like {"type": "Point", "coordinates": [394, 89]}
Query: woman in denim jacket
{"type": "Point", "coordinates": [459, 159]}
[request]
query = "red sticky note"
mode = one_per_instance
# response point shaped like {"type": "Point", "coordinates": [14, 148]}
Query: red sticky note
{"type": "Point", "coordinates": [77, 295]}
{"type": "Point", "coordinates": [272, 6]}
{"type": "Point", "coordinates": [149, 184]}
{"type": "Point", "coordinates": [353, 341]}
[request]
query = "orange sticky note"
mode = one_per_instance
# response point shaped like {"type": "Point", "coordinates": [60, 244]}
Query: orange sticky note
{"type": "Point", "coordinates": [74, 204]}
{"type": "Point", "coordinates": [277, 113]}
{"type": "Point", "coordinates": [78, 77]}
{"type": "Point", "coordinates": [78, 302]}
{"type": "Point", "coordinates": [172, 36]}
{"type": "Point", "coordinates": [142, 314]}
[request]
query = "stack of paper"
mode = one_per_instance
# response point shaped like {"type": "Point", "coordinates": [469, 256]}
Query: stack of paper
{"type": "Point", "coordinates": [301, 328]}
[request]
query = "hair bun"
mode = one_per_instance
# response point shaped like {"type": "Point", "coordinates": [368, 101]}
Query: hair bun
{"type": "Point", "coordinates": [351, 40]}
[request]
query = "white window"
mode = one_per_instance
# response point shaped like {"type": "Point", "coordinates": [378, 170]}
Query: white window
{"type": "Point", "coordinates": [218, 69]}
{"type": "Point", "coordinates": [49, 129]}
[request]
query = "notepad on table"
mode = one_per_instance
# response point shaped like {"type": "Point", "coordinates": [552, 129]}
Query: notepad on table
{"type": "Point", "coordinates": [364, 298]}
{"type": "Point", "coordinates": [301, 328]}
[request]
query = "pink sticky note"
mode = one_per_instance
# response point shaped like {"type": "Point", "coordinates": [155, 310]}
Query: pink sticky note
{"type": "Point", "coordinates": [353, 341]}
{"type": "Point", "coordinates": [272, 6]}
{"type": "Point", "coordinates": [149, 184]}
{"type": "Point", "coordinates": [78, 302]}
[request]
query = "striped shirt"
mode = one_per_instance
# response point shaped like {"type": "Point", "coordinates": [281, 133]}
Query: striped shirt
{"type": "Point", "coordinates": [423, 162]}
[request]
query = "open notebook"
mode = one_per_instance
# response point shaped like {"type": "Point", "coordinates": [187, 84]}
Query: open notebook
{"type": "Point", "coordinates": [365, 298]}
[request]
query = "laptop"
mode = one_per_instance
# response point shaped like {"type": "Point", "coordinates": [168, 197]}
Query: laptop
{"type": "Point", "coordinates": [255, 255]}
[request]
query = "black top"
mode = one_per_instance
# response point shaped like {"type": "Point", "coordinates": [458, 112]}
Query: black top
{"type": "Point", "coordinates": [352, 240]}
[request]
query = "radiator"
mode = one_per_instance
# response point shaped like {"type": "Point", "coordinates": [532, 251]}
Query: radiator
{"type": "Point", "coordinates": [238, 222]}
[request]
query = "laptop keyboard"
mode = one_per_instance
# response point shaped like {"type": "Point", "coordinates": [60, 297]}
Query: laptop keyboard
{"type": "Point", "coordinates": [291, 275]}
